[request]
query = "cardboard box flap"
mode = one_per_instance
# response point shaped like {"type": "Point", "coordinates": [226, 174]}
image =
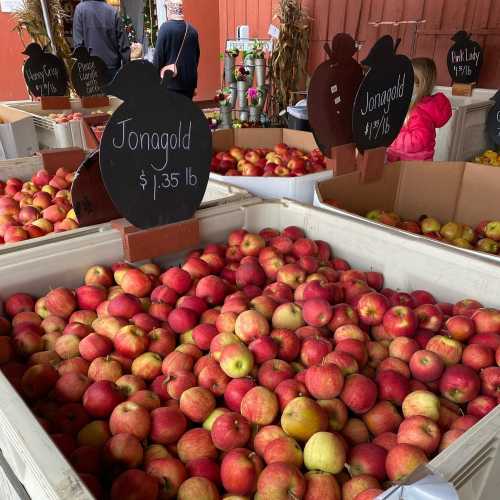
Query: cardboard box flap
{"type": "Point", "coordinates": [360, 198]}
{"type": "Point", "coordinates": [298, 139]}
{"type": "Point", "coordinates": [223, 140]}
{"type": "Point", "coordinates": [480, 195]}
{"type": "Point", "coordinates": [257, 137]}
{"type": "Point", "coordinates": [427, 188]}
{"type": "Point", "coordinates": [11, 115]}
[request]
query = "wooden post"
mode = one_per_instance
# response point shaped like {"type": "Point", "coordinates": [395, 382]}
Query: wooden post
{"type": "Point", "coordinates": [97, 101]}
{"type": "Point", "coordinates": [342, 159]}
{"type": "Point", "coordinates": [462, 89]}
{"type": "Point", "coordinates": [55, 102]}
{"type": "Point", "coordinates": [371, 164]}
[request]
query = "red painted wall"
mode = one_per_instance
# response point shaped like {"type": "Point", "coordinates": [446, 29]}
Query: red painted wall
{"type": "Point", "coordinates": [12, 86]}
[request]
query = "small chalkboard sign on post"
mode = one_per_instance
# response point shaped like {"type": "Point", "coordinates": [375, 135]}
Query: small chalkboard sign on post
{"type": "Point", "coordinates": [330, 101]}
{"type": "Point", "coordinates": [46, 77]}
{"type": "Point", "coordinates": [465, 59]}
{"type": "Point", "coordinates": [381, 105]}
{"type": "Point", "coordinates": [493, 121]}
{"type": "Point", "coordinates": [154, 166]}
{"type": "Point", "coordinates": [88, 78]}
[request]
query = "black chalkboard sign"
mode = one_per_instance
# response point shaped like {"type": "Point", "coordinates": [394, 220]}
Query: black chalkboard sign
{"type": "Point", "coordinates": [332, 92]}
{"type": "Point", "coordinates": [88, 73]}
{"type": "Point", "coordinates": [155, 150]}
{"type": "Point", "coordinates": [465, 59]}
{"type": "Point", "coordinates": [384, 96]}
{"type": "Point", "coordinates": [493, 121]}
{"type": "Point", "coordinates": [44, 73]}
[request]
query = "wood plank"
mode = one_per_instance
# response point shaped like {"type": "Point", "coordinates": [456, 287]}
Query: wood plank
{"type": "Point", "coordinates": [353, 17]}
{"type": "Point", "coordinates": [363, 28]}
{"type": "Point", "coordinates": [373, 32]}
{"type": "Point", "coordinates": [240, 12]}
{"type": "Point", "coordinates": [253, 16]}
{"type": "Point", "coordinates": [433, 12]}
{"type": "Point", "coordinates": [231, 26]}
{"type": "Point", "coordinates": [264, 18]}
{"type": "Point", "coordinates": [336, 17]}
{"type": "Point", "coordinates": [490, 74]}
{"type": "Point", "coordinates": [392, 11]}
{"type": "Point", "coordinates": [413, 11]}
{"type": "Point", "coordinates": [320, 20]}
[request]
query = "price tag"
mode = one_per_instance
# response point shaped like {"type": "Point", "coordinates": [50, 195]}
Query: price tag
{"type": "Point", "coordinates": [44, 73]}
{"type": "Point", "coordinates": [87, 74]}
{"type": "Point", "coordinates": [383, 98]}
{"type": "Point", "coordinates": [493, 121]}
{"type": "Point", "coordinates": [331, 94]}
{"type": "Point", "coordinates": [465, 59]}
{"type": "Point", "coordinates": [155, 150]}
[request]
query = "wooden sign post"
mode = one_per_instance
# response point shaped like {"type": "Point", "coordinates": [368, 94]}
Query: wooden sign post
{"type": "Point", "coordinates": [330, 102]}
{"type": "Point", "coordinates": [465, 59]}
{"type": "Point", "coordinates": [46, 77]}
{"type": "Point", "coordinates": [154, 166]}
{"type": "Point", "coordinates": [88, 78]}
{"type": "Point", "coordinates": [381, 105]}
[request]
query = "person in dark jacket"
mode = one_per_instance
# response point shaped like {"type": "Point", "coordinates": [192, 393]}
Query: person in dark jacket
{"type": "Point", "coordinates": [98, 27]}
{"type": "Point", "coordinates": [178, 46]}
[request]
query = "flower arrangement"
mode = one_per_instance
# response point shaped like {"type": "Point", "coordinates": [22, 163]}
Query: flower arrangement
{"type": "Point", "coordinates": [233, 52]}
{"type": "Point", "coordinates": [241, 74]}
{"type": "Point", "coordinates": [254, 95]}
{"type": "Point", "coordinates": [223, 97]}
{"type": "Point", "coordinates": [258, 49]}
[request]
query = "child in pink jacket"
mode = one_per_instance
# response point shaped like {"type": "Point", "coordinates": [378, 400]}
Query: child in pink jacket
{"type": "Point", "coordinates": [417, 139]}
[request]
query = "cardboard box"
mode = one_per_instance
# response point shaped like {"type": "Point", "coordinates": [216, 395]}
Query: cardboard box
{"type": "Point", "coordinates": [467, 193]}
{"type": "Point", "coordinates": [299, 189]}
{"type": "Point", "coordinates": [17, 134]}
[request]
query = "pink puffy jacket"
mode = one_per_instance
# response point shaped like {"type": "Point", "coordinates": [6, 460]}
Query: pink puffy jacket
{"type": "Point", "coordinates": [417, 139]}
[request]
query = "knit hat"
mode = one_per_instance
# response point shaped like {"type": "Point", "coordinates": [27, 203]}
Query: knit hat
{"type": "Point", "coordinates": [175, 9]}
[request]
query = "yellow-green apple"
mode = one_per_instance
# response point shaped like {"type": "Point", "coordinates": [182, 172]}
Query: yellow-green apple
{"type": "Point", "coordinates": [392, 386]}
{"type": "Point", "coordinates": [131, 418]}
{"type": "Point", "coordinates": [170, 472]}
{"type": "Point", "coordinates": [281, 480]}
{"type": "Point", "coordinates": [359, 393]}
{"type": "Point", "coordinates": [449, 350]}
{"type": "Point", "coordinates": [67, 346]}
{"type": "Point", "coordinates": [259, 406]}
{"type": "Point", "coordinates": [430, 225]}
{"type": "Point", "coordinates": [283, 449]}
{"type": "Point", "coordinates": [288, 316]}
{"type": "Point", "coordinates": [95, 434]}
{"type": "Point", "coordinates": [209, 421]}
{"type": "Point", "coordinates": [487, 245]}
{"type": "Point", "coordinates": [235, 391]}
{"type": "Point", "coordinates": [426, 366]}
{"type": "Point", "coordinates": [481, 406]}
{"type": "Point", "coordinates": [167, 425]}
{"type": "Point", "coordinates": [492, 230]}
{"type": "Point", "coordinates": [347, 364]}
{"type": "Point", "coordinates": [195, 444]}
{"type": "Point", "coordinates": [288, 343]}
{"type": "Point", "coordinates": [324, 451]}
{"type": "Point", "coordinates": [421, 432]}
{"type": "Point", "coordinates": [220, 342]}
{"type": "Point", "coordinates": [289, 389]}
{"type": "Point", "coordinates": [229, 431]}
{"type": "Point", "coordinates": [423, 403]}
{"type": "Point", "coordinates": [197, 403]}
{"type": "Point", "coordinates": [402, 460]}
{"type": "Point", "coordinates": [383, 417]}
{"type": "Point", "coordinates": [236, 360]}
{"type": "Point", "coordinates": [147, 366]}
{"type": "Point", "coordinates": [141, 484]}
{"type": "Point", "coordinates": [198, 487]}
{"type": "Point", "coordinates": [105, 369]}
{"type": "Point", "coordinates": [324, 381]}
{"type": "Point", "coordinates": [403, 348]}
{"type": "Point", "coordinates": [125, 450]}
{"type": "Point", "coordinates": [302, 418]}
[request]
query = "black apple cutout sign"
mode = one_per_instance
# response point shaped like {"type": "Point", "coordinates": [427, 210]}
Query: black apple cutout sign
{"type": "Point", "coordinates": [493, 121]}
{"type": "Point", "coordinates": [465, 59]}
{"type": "Point", "coordinates": [332, 92]}
{"type": "Point", "coordinates": [88, 73]}
{"type": "Point", "coordinates": [44, 73]}
{"type": "Point", "coordinates": [155, 151]}
{"type": "Point", "coordinates": [384, 96]}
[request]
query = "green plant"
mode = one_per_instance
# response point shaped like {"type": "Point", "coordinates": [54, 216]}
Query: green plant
{"type": "Point", "coordinates": [258, 49]}
{"type": "Point", "coordinates": [240, 73]}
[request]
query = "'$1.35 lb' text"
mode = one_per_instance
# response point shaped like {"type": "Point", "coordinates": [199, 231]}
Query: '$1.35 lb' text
{"type": "Point", "coordinates": [167, 181]}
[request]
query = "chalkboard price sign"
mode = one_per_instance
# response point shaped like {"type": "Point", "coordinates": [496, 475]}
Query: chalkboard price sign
{"type": "Point", "coordinates": [331, 94]}
{"type": "Point", "coordinates": [155, 150]}
{"type": "Point", "coordinates": [44, 73]}
{"type": "Point", "coordinates": [384, 96]}
{"type": "Point", "coordinates": [87, 74]}
{"type": "Point", "coordinates": [493, 121]}
{"type": "Point", "coordinates": [465, 59]}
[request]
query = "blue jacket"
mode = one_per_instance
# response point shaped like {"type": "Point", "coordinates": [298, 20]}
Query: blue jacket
{"type": "Point", "coordinates": [98, 26]}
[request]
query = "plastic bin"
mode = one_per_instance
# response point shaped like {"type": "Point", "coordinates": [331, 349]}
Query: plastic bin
{"type": "Point", "coordinates": [411, 265]}
{"type": "Point", "coordinates": [464, 136]}
{"type": "Point", "coordinates": [299, 189]}
{"type": "Point", "coordinates": [298, 116]}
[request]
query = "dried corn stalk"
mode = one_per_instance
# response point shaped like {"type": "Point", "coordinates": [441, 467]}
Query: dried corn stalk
{"type": "Point", "coordinates": [29, 18]}
{"type": "Point", "coordinates": [289, 58]}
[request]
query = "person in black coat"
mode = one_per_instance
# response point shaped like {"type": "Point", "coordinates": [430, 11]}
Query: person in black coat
{"type": "Point", "coordinates": [178, 50]}
{"type": "Point", "coordinates": [98, 27]}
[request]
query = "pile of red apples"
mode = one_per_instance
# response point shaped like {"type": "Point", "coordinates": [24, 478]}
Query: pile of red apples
{"type": "Point", "coordinates": [37, 207]}
{"type": "Point", "coordinates": [282, 161]}
{"type": "Point", "coordinates": [65, 117]}
{"type": "Point", "coordinates": [261, 368]}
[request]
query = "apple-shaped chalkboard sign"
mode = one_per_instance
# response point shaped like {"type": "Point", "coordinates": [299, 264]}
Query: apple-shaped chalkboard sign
{"type": "Point", "coordinates": [88, 73]}
{"type": "Point", "coordinates": [493, 121]}
{"type": "Point", "coordinates": [332, 92]}
{"type": "Point", "coordinates": [384, 96]}
{"type": "Point", "coordinates": [45, 74]}
{"type": "Point", "coordinates": [465, 59]}
{"type": "Point", "coordinates": [155, 150]}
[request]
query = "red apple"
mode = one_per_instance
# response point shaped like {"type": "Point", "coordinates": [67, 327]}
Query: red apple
{"type": "Point", "coordinates": [368, 458]}
{"type": "Point", "coordinates": [426, 366]}
{"type": "Point", "coordinates": [400, 321]}
{"type": "Point", "coordinates": [167, 425]}
{"type": "Point", "coordinates": [421, 432]}
{"type": "Point", "coordinates": [229, 431]}
{"type": "Point", "coordinates": [359, 393]}
{"type": "Point", "coordinates": [134, 484]}
{"type": "Point", "coordinates": [402, 460]}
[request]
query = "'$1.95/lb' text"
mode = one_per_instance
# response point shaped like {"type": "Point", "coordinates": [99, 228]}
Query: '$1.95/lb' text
{"type": "Point", "coordinates": [167, 181]}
